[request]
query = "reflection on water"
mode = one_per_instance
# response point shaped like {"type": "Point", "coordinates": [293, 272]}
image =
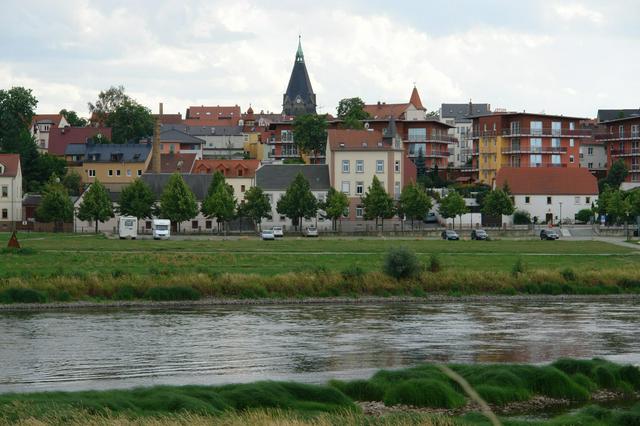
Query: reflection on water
{"type": "Point", "coordinates": [107, 349]}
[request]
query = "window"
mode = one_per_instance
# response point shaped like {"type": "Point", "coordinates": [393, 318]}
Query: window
{"type": "Point", "coordinates": [359, 188]}
{"type": "Point", "coordinates": [417, 135]}
{"type": "Point", "coordinates": [556, 128]}
{"type": "Point", "coordinates": [572, 125]}
{"type": "Point", "coordinates": [129, 172]}
{"type": "Point", "coordinates": [535, 160]}
{"type": "Point", "coordinates": [139, 172]}
{"type": "Point", "coordinates": [536, 128]}
{"type": "Point", "coordinates": [555, 160]}
{"type": "Point", "coordinates": [110, 172]}
{"type": "Point", "coordinates": [590, 150]}
{"type": "Point", "coordinates": [635, 130]}
{"type": "Point", "coordinates": [286, 136]}
{"type": "Point", "coordinates": [345, 166]}
{"type": "Point", "coordinates": [194, 224]}
{"type": "Point", "coordinates": [172, 148]}
{"type": "Point", "coordinates": [621, 131]}
{"type": "Point", "coordinates": [5, 213]}
{"type": "Point", "coordinates": [396, 166]}
{"type": "Point", "coordinates": [548, 200]}
{"type": "Point", "coordinates": [5, 191]}
{"type": "Point", "coordinates": [359, 211]}
{"type": "Point", "coordinates": [346, 187]}
{"type": "Point", "coordinates": [240, 172]}
{"type": "Point", "coordinates": [527, 199]}
{"type": "Point", "coordinates": [590, 165]}
{"type": "Point", "coordinates": [92, 173]}
{"type": "Point", "coordinates": [147, 224]}
{"type": "Point", "coordinates": [282, 218]}
{"type": "Point", "coordinates": [118, 172]}
{"type": "Point", "coordinates": [242, 188]}
{"type": "Point", "coordinates": [208, 224]}
{"type": "Point", "coordinates": [571, 158]}
{"type": "Point", "coordinates": [587, 200]}
{"type": "Point", "coordinates": [379, 166]}
{"type": "Point", "coordinates": [396, 190]}
{"type": "Point", "coordinates": [359, 166]}
{"type": "Point", "coordinates": [536, 145]}
{"type": "Point", "coordinates": [571, 143]}
{"type": "Point", "coordinates": [555, 144]}
{"type": "Point", "coordinates": [515, 127]}
{"type": "Point", "coordinates": [577, 200]}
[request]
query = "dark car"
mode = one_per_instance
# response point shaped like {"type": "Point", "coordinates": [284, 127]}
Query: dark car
{"type": "Point", "coordinates": [479, 234]}
{"type": "Point", "coordinates": [549, 234]}
{"type": "Point", "coordinates": [430, 218]}
{"type": "Point", "coordinates": [449, 235]}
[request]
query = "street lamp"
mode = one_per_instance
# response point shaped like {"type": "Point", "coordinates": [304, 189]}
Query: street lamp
{"type": "Point", "coordinates": [560, 214]}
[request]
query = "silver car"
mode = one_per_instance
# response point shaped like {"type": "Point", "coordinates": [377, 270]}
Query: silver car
{"type": "Point", "coordinates": [311, 231]}
{"type": "Point", "coordinates": [267, 234]}
{"type": "Point", "coordinates": [277, 232]}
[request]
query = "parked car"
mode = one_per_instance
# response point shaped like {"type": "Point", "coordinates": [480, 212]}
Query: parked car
{"type": "Point", "coordinates": [277, 231]}
{"type": "Point", "coordinates": [311, 231]}
{"type": "Point", "coordinates": [430, 218]}
{"type": "Point", "coordinates": [479, 234]}
{"type": "Point", "coordinates": [267, 234]}
{"type": "Point", "coordinates": [450, 235]}
{"type": "Point", "coordinates": [549, 234]}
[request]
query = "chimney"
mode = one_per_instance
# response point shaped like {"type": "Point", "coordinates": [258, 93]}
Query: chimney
{"type": "Point", "coordinates": [155, 149]}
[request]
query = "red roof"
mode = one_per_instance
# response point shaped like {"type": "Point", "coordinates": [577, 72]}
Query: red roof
{"type": "Point", "coordinates": [59, 139]}
{"type": "Point", "coordinates": [382, 110]}
{"type": "Point", "coordinates": [415, 99]}
{"type": "Point", "coordinates": [11, 163]}
{"type": "Point", "coordinates": [548, 181]}
{"type": "Point", "coordinates": [50, 117]}
{"type": "Point", "coordinates": [229, 168]}
{"type": "Point", "coordinates": [180, 162]}
{"type": "Point", "coordinates": [356, 140]}
{"type": "Point", "coordinates": [169, 118]}
{"type": "Point", "coordinates": [213, 116]}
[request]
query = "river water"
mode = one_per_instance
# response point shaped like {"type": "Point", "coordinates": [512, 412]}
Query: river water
{"type": "Point", "coordinates": [99, 349]}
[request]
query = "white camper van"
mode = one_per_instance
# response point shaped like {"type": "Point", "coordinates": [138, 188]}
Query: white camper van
{"type": "Point", "coordinates": [161, 229]}
{"type": "Point", "coordinates": [128, 227]}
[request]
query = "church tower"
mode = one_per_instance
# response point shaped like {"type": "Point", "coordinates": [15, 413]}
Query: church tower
{"type": "Point", "coordinates": [299, 98]}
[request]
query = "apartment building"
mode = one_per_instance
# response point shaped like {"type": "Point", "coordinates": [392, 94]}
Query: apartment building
{"type": "Point", "coordinates": [622, 140]}
{"type": "Point", "coordinates": [521, 140]}
{"type": "Point", "coordinates": [176, 141]}
{"type": "Point", "coordinates": [458, 116]}
{"type": "Point", "coordinates": [354, 157]}
{"type": "Point", "coordinates": [10, 190]}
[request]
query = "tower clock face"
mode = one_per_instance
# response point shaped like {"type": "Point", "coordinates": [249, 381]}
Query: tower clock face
{"type": "Point", "coordinates": [298, 99]}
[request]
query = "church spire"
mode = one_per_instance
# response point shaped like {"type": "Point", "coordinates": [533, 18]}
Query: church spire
{"type": "Point", "coordinates": [299, 98]}
{"type": "Point", "coordinates": [299, 54]}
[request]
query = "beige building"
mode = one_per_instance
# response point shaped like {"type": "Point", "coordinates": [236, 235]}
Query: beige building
{"type": "Point", "coordinates": [240, 174]}
{"type": "Point", "coordinates": [354, 157]}
{"type": "Point", "coordinates": [10, 191]}
{"type": "Point", "coordinates": [115, 165]}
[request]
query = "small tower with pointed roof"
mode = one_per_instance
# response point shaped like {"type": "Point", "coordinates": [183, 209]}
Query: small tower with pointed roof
{"type": "Point", "coordinates": [299, 98]}
{"type": "Point", "coordinates": [415, 99]}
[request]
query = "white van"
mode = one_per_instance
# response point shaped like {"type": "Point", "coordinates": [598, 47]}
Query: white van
{"type": "Point", "coordinates": [161, 229]}
{"type": "Point", "coordinates": [128, 227]}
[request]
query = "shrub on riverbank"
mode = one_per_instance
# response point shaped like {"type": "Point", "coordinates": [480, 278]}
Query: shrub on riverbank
{"type": "Point", "coordinates": [400, 262]}
{"type": "Point", "coordinates": [21, 295]}
{"type": "Point", "coordinates": [172, 293]}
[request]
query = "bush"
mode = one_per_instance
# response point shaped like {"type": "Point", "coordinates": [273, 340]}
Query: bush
{"type": "Point", "coordinates": [434, 264]}
{"type": "Point", "coordinates": [424, 393]}
{"type": "Point", "coordinates": [521, 217]}
{"type": "Point", "coordinates": [360, 390]}
{"type": "Point", "coordinates": [584, 215]}
{"type": "Point", "coordinates": [126, 292]}
{"type": "Point", "coordinates": [399, 263]}
{"type": "Point", "coordinates": [22, 295]}
{"type": "Point", "coordinates": [568, 274]}
{"type": "Point", "coordinates": [172, 293]}
{"type": "Point", "coordinates": [352, 272]}
{"type": "Point", "coordinates": [518, 268]}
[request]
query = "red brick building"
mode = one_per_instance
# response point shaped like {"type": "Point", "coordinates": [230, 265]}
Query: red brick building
{"type": "Point", "coordinates": [622, 138]}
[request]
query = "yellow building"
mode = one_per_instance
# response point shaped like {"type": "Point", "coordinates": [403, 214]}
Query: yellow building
{"type": "Point", "coordinates": [115, 165]}
{"type": "Point", "coordinates": [490, 157]}
{"type": "Point", "coordinates": [253, 146]}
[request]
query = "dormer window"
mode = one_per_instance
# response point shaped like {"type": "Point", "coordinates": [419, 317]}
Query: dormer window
{"type": "Point", "coordinates": [1, 169]}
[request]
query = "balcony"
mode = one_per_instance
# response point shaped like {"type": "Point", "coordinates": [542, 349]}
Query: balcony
{"type": "Point", "coordinates": [433, 139]}
{"type": "Point", "coordinates": [614, 137]}
{"type": "Point", "coordinates": [547, 133]}
{"type": "Point", "coordinates": [547, 165]}
{"type": "Point", "coordinates": [529, 150]}
{"type": "Point", "coordinates": [625, 152]}
{"type": "Point", "coordinates": [432, 154]}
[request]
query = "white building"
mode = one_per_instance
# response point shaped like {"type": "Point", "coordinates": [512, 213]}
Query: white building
{"type": "Point", "coordinates": [10, 191]}
{"type": "Point", "coordinates": [458, 115]}
{"type": "Point", "coordinates": [549, 194]}
{"type": "Point", "coordinates": [42, 125]}
{"type": "Point", "coordinates": [274, 181]}
{"type": "Point", "coordinates": [593, 155]}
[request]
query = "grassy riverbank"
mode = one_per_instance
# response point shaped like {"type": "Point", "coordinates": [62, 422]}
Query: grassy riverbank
{"type": "Point", "coordinates": [433, 397]}
{"type": "Point", "coordinates": [66, 268]}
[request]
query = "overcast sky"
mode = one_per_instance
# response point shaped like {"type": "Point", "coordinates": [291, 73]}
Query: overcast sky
{"type": "Point", "coordinates": [564, 57]}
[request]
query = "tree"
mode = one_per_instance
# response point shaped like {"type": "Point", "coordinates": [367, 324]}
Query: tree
{"type": "Point", "coordinates": [602, 204]}
{"type": "Point", "coordinates": [453, 205]}
{"type": "Point", "coordinates": [584, 215]}
{"type": "Point", "coordinates": [414, 202]}
{"type": "Point", "coordinates": [616, 175]}
{"type": "Point", "coordinates": [377, 203]}
{"type": "Point", "coordinates": [73, 182]}
{"type": "Point", "coordinates": [217, 181]}
{"type": "Point", "coordinates": [40, 168]}
{"type": "Point", "coordinates": [108, 101]}
{"type": "Point", "coordinates": [177, 202]}
{"type": "Point", "coordinates": [137, 199]}
{"type": "Point", "coordinates": [421, 167]}
{"type": "Point", "coordinates": [497, 203]}
{"type": "Point", "coordinates": [351, 112]}
{"type": "Point", "coordinates": [73, 119]}
{"type": "Point", "coordinates": [335, 205]}
{"type": "Point", "coordinates": [130, 121]}
{"type": "Point", "coordinates": [618, 207]}
{"type": "Point", "coordinates": [220, 204]}
{"type": "Point", "coordinates": [96, 204]}
{"type": "Point", "coordinates": [17, 106]}
{"type": "Point", "coordinates": [298, 201]}
{"type": "Point", "coordinates": [310, 133]}
{"type": "Point", "coordinates": [256, 205]}
{"type": "Point", "coordinates": [56, 206]}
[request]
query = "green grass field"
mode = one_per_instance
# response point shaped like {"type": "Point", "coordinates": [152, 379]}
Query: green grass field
{"type": "Point", "coordinates": [88, 254]}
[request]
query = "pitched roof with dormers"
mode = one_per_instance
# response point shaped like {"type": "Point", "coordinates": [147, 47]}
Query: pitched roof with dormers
{"type": "Point", "coordinates": [212, 115]}
{"type": "Point", "coordinates": [229, 168]}
{"type": "Point", "coordinates": [10, 165]}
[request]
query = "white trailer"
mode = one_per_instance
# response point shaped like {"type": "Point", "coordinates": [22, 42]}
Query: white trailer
{"type": "Point", "coordinates": [161, 229]}
{"type": "Point", "coordinates": [128, 227]}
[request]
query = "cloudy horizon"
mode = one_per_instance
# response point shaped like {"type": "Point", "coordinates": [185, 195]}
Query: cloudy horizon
{"type": "Point", "coordinates": [560, 57]}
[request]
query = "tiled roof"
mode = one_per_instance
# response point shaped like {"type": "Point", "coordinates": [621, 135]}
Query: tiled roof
{"type": "Point", "coordinates": [213, 115]}
{"type": "Point", "coordinates": [171, 163]}
{"type": "Point", "coordinates": [357, 140]}
{"type": "Point", "coordinates": [199, 184]}
{"type": "Point", "coordinates": [59, 139]}
{"type": "Point", "coordinates": [382, 110]}
{"type": "Point", "coordinates": [230, 168]}
{"type": "Point", "coordinates": [11, 163]}
{"type": "Point", "coordinates": [44, 118]}
{"type": "Point", "coordinates": [460, 112]}
{"type": "Point", "coordinates": [272, 177]}
{"type": "Point", "coordinates": [104, 153]}
{"type": "Point", "coordinates": [169, 118]}
{"type": "Point", "coordinates": [415, 99]}
{"type": "Point", "coordinates": [204, 130]}
{"type": "Point", "coordinates": [175, 135]}
{"type": "Point", "coordinates": [548, 181]}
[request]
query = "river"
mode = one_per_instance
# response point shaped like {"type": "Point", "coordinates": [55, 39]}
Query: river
{"type": "Point", "coordinates": [100, 349]}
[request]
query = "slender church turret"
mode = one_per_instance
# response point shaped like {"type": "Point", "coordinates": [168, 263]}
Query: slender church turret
{"type": "Point", "coordinates": [299, 98]}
